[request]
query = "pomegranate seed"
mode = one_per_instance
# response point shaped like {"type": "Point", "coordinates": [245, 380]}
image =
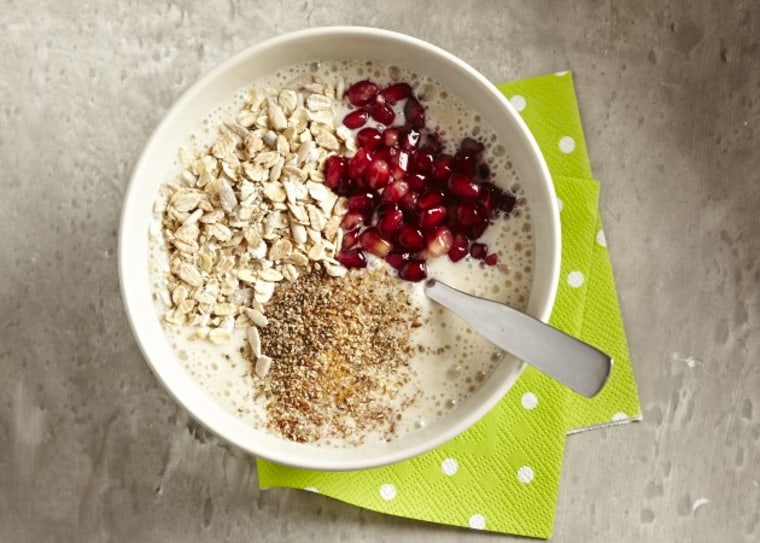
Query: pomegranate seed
{"type": "Point", "coordinates": [377, 174]}
{"type": "Point", "coordinates": [431, 217]}
{"type": "Point", "coordinates": [364, 202]}
{"type": "Point", "coordinates": [397, 260]}
{"type": "Point", "coordinates": [442, 167]}
{"type": "Point", "coordinates": [335, 171]}
{"type": "Point", "coordinates": [470, 213]}
{"type": "Point", "coordinates": [383, 153]}
{"type": "Point", "coordinates": [439, 241]}
{"type": "Point", "coordinates": [422, 161]}
{"type": "Point", "coordinates": [411, 238]}
{"type": "Point", "coordinates": [352, 258]}
{"type": "Point", "coordinates": [459, 248]}
{"type": "Point", "coordinates": [484, 171]}
{"type": "Point", "coordinates": [414, 112]}
{"type": "Point", "coordinates": [432, 198]}
{"type": "Point", "coordinates": [372, 242]}
{"type": "Point", "coordinates": [383, 113]}
{"type": "Point", "coordinates": [411, 139]}
{"type": "Point", "coordinates": [464, 187]}
{"type": "Point", "coordinates": [435, 142]}
{"type": "Point", "coordinates": [488, 197]}
{"type": "Point", "coordinates": [383, 208]}
{"type": "Point", "coordinates": [400, 163]}
{"type": "Point", "coordinates": [390, 222]}
{"type": "Point", "coordinates": [414, 270]}
{"type": "Point", "coordinates": [397, 173]}
{"type": "Point", "coordinates": [355, 119]}
{"type": "Point", "coordinates": [465, 164]}
{"type": "Point", "coordinates": [507, 203]}
{"type": "Point", "coordinates": [476, 230]}
{"type": "Point", "coordinates": [390, 137]}
{"type": "Point", "coordinates": [417, 181]}
{"type": "Point", "coordinates": [396, 92]}
{"type": "Point", "coordinates": [395, 191]}
{"type": "Point", "coordinates": [492, 259]}
{"type": "Point", "coordinates": [352, 220]}
{"type": "Point", "coordinates": [478, 250]}
{"type": "Point", "coordinates": [470, 146]}
{"type": "Point", "coordinates": [361, 93]}
{"type": "Point", "coordinates": [350, 239]}
{"type": "Point", "coordinates": [359, 163]}
{"type": "Point", "coordinates": [369, 138]}
{"type": "Point", "coordinates": [347, 187]}
{"type": "Point", "coordinates": [410, 201]}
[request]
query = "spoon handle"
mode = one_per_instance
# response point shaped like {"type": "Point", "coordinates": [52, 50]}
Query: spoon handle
{"type": "Point", "coordinates": [573, 363]}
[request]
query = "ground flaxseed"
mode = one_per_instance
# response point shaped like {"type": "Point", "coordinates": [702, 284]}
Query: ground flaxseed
{"type": "Point", "coordinates": [340, 350]}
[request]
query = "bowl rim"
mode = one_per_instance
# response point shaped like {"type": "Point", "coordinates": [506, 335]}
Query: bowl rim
{"type": "Point", "coordinates": [300, 460]}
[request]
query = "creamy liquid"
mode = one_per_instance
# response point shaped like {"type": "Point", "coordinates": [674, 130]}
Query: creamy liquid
{"type": "Point", "coordinates": [452, 360]}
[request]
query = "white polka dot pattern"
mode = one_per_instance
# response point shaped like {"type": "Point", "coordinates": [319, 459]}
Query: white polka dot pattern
{"type": "Point", "coordinates": [575, 279]}
{"type": "Point", "coordinates": [529, 400]}
{"type": "Point", "coordinates": [518, 102]}
{"type": "Point", "coordinates": [387, 492]}
{"type": "Point", "coordinates": [525, 474]}
{"type": "Point", "coordinates": [477, 522]}
{"type": "Point", "coordinates": [567, 144]}
{"type": "Point", "coordinates": [450, 466]}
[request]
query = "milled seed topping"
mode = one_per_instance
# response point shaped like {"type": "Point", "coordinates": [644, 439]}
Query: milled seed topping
{"type": "Point", "coordinates": [340, 350]}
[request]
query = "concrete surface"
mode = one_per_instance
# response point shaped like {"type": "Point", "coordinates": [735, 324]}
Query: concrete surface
{"type": "Point", "coordinates": [92, 449]}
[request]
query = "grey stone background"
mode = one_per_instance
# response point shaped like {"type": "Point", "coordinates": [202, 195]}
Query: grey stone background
{"type": "Point", "coordinates": [92, 449]}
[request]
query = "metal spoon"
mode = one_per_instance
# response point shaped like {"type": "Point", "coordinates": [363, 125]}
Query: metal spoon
{"type": "Point", "coordinates": [573, 363]}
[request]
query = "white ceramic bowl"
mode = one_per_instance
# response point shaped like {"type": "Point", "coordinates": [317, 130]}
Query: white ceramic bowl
{"type": "Point", "coordinates": [217, 88]}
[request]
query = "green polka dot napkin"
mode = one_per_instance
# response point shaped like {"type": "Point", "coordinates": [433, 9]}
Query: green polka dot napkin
{"type": "Point", "coordinates": [503, 473]}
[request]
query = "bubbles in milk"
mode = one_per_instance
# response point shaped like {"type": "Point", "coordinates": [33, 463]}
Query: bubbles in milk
{"type": "Point", "coordinates": [452, 361]}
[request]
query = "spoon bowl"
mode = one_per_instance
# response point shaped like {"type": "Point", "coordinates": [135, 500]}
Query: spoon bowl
{"type": "Point", "coordinates": [573, 363]}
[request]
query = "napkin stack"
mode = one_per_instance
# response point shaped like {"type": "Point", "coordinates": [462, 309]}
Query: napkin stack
{"type": "Point", "coordinates": [503, 474]}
